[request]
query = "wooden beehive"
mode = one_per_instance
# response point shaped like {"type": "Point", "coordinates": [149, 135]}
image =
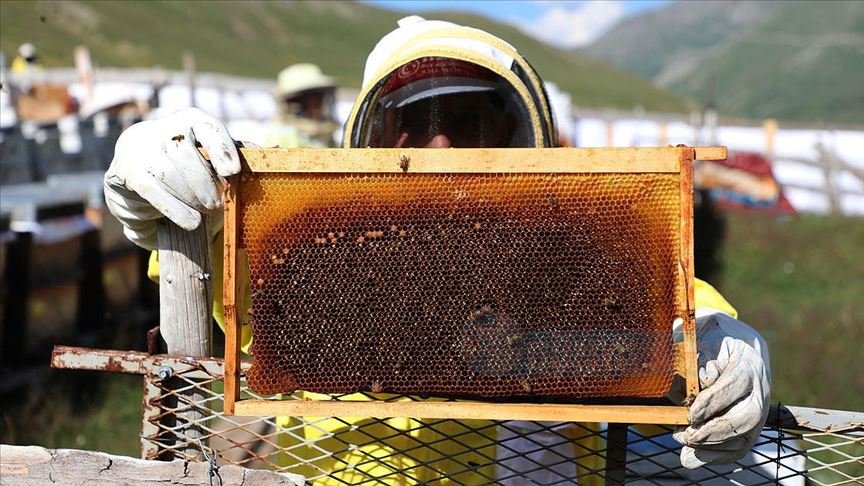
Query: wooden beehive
{"type": "Point", "coordinates": [548, 279]}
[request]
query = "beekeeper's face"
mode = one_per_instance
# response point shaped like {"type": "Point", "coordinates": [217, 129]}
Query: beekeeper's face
{"type": "Point", "coordinates": [443, 103]}
{"type": "Point", "coordinates": [458, 120]}
{"type": "Point", "coordinates": [314, 104]}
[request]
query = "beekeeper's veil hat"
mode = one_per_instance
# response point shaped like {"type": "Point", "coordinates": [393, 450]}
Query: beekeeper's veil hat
{"type": "Point", "coordinates": [425, 59]}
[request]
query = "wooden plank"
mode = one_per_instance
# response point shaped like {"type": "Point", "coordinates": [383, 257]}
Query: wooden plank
{"type": "Point", "coordinates": [229, 298]}
{"type": "Point", "coordinates": [555, 160]}
{"type": "Point", "coordinates": [815, 419]}
{"type": "Point", "coordinates": [33, 465]}
{"type": "Point", "coordinates": [686, 274]}
{"type": "Point", "coordinates": [710, 153]}
{"type": "Point", "coordinates": [635, 414]}
{"type": "Point", "coordinates": [840, 165]}
{"type": "Point", "coordinates": [820, 189]}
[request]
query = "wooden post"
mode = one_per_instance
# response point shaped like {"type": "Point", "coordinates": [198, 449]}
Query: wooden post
{"type": "Point", "coordinates": [91, 293]}
{"type": "Point", "coordinates": [84, 66]}
{"type": "Point", "coordinates": [185, 297]}
{"type": "Point", "coordinates": [610, 133]}
{"type": "Point", "coordinates": [710, 121]}
{"type": "Point", "coordinates": [769, 129]}
{"type": "Point", "coordinates": [696, 124]}
{"type": "Point", "coordinates": [189, 67]}
{"type": "Point", "coordinates": [616, 454]}
{"type": "Point", "coordinates": [18, 273]}
{"type": "Point", "coordinates": [830, 167]}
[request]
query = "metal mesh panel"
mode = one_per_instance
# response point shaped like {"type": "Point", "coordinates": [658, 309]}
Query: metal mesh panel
{"type": "Point", "coordinates": [364, 451]}
{"type": "Point", "coordinates": [472, 285]}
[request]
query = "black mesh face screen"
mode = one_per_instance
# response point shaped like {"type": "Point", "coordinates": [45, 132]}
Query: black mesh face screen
{"type": "Point", "coordinates": [467, 285]}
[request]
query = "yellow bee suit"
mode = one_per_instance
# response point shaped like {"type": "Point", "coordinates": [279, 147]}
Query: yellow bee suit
{"type": "Point", "coordinates": [20, 66]}
{"type": "Point", "coordinates": [294, 131]}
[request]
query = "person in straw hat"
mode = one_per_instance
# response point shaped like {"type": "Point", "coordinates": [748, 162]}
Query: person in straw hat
{"type": "Point", "coordinates": [305, 99]}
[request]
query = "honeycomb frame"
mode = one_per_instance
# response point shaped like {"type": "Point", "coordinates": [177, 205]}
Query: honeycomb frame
{"type": "Point", "coordinates": [601, 162]}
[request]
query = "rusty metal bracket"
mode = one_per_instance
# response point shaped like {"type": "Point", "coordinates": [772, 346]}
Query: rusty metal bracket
{"type": "Point", "coordinates": [133, 362]}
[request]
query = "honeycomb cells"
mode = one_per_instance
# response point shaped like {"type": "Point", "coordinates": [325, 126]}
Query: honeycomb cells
{"type": "Point", "coordinates": [466, 285]}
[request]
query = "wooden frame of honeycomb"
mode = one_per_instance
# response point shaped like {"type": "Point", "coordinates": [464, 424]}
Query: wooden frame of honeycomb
{"type": "Point", "coordinates": [677, 161]}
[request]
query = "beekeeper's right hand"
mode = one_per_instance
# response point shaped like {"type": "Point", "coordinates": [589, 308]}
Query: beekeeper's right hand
{"type": "Point", "coordinates": [158, 172]}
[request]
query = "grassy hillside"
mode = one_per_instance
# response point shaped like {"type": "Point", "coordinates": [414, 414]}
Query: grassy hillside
{"type": "Point", "coordinates": [801, 61]}
{"type": "Point", "coordinates": [259, 38]}
{"type": "Point", "coordinates": [804, 63]}
{"type": "Point", "coordinates": [654, 47]}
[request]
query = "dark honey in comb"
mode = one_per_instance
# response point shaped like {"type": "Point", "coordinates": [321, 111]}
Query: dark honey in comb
{"type": "Point", "coordinates": [467, 285]}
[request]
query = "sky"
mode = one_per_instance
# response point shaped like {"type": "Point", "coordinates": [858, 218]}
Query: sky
{"type": "Point", "coordinates": [565, 24]}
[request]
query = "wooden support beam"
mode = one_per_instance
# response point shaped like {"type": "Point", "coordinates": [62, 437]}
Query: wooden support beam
{"type": "Point", "coordinates": [637, 414]}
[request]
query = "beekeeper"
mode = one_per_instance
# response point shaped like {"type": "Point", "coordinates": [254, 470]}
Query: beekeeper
{"type": "Point", "coordinates": [26, 68]}
{"type": "Point", "coordinates": [436, 84]}
{"type": "Point", "coordinates": [27, 60]}
{"type": "Point", "coordinates": [305, 99]}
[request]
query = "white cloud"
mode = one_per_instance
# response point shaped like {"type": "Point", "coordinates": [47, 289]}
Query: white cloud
{"type": "Point", "coordinates": [568, 25]}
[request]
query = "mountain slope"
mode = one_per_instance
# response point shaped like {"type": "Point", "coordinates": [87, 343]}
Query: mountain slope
{"type": "Point", "coordinates": [654, 43]}
{"type": "Point", "coordinates": [259, 38]}
{"type": "Point", "coordinates": [800, 61]}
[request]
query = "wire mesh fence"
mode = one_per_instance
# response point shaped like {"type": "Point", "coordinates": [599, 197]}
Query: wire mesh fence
{"type": "Point", "coordinates": [182, 417]}
{"type": "Point", "coordinates": [797, 446]}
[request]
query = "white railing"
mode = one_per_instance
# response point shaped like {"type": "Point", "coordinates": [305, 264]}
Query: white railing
{"type": "Point", "coordinates": [820, 166]}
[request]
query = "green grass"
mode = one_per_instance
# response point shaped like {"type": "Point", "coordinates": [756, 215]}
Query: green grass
{"type": "Point", "coordinates": [799, 282]}
{"type": "Point", "coordinates": [257, 39]}
{"type": "Point", "coordinates": [76, 410]}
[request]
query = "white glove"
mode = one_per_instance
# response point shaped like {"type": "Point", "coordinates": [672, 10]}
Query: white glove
{"type": "Point", "coordinates": [727, 416]}
{"type": "Point", "coordinates": [157, 171]}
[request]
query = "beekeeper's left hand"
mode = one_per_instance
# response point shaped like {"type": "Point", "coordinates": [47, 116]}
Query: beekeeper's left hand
{"type": "Point", "coordinates": [727, 416]}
